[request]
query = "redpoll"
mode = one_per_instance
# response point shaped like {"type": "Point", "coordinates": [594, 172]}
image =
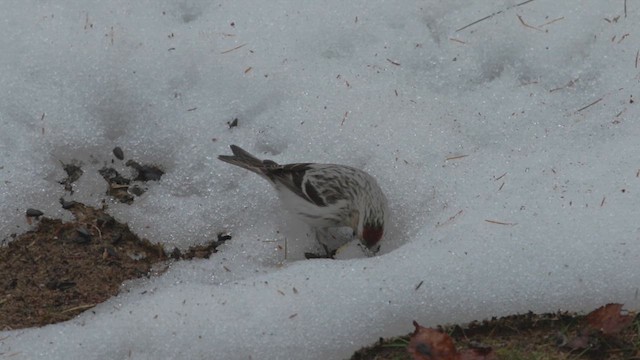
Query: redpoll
{"type": "Point", "coordinates": [324, 195]}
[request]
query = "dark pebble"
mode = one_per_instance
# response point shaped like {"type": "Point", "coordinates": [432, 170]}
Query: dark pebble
{"type": "Point", "coordinates": [83, 232]}
{"type": "Point", "coordinates": [175, 253]}
{"type": "Point", "coordinates": [73, 172]}
{"type": "Point", "coordinates": [67, 204]}
{"type": "Point", "coordinates": [222, 237]}
{"type": "Point", "coordinates": [113, 177]}
{"type": "Point", "coordinates": [136, 190]}
{"type": "Point", "coordinates": [64, 285]}
{"type": "Point", "coordinates": [117, 151]}
{"type": "Point", "coordinates": [146, 172]}
{"type": "Point", "coordinates": [34, 212]}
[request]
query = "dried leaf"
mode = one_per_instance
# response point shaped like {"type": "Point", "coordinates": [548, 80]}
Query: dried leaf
{"type": "Point", "coordinates": [430, 344]}
{"type": "Point", "coordinates": [610, 319]}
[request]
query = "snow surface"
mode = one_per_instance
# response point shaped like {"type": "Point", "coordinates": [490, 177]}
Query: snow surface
{"type": "Point", "coordinates": [508, 151]}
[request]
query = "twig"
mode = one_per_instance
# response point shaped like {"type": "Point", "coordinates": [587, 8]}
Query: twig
{"type": "Point", "coordinates": [450, 219]}
{"type": "Point", "coordinates": [623, 37]}
{"type": "Point", "coordinates": [500, 177]}
{"type": "Point", "coordinates": [393, 62]}
{"type": "Point", "coordinates": [602, 202]}
{"type": "Point", "coordinates": [494, 14]}
{"type": "Point", "coordinates": [232, 49]}
{"type": "Point", "coordinates": [500, 222]}
{"type": "Point", "coordinates": [618, 115]}
{"type": "Point", "coordinates": [346, 113]}
{"type": "Point", "coordinates": [118, 186]}
{"type": "Point", "coordinates": [527, 25]}
{"type": "Point", "coordinates": [625, 9]}
{"type": "Point", "coordinates": [552, 21]}
{"type": "Point", "coordinates": [456, 157]}
{"type": "Point", "coordinates": [637, 55]}
{"type": "Point", "coordinates": [98, 230]}
{"type": "Point", "coordinates": [419, 284]}
{"type": "Point", "coordinates": [569, 84]}
{"type": "Point", "coordinates": [456, 40]}
{"type": "Point", "coordinates": [477, 21]}
{"type": "Point", "coordinates": [593, 103]}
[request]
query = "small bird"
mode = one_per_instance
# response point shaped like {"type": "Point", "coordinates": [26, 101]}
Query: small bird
{"type": "Point", "coordinates": [324, 195]}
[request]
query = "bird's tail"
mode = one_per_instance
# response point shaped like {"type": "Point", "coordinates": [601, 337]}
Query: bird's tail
{"type": "Point", "coordinates": [247, 161]}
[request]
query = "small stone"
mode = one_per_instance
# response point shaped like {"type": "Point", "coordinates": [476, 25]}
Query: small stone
{"type": "Point", "coordinates": [34, 212]}
{"type": "Point", "coordinates": [222, 237]}
{"type": "Point", "coordinates": [232, 123]}
{"type": "Point", "coordinates": [117, 151]}
{"type": "Point", "coordinates": [67, 204]}
{"type": "Point", "coordinates": [136, 190]}
{"type": "Point", "coordinates": [146, 172]}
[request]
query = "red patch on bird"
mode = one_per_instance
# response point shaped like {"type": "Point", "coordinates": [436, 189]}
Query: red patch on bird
{"type": "Point", "coordinates": [372, 235]}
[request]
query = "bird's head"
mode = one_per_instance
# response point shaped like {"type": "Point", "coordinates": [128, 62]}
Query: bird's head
{"type": "Point", "coordinates": [371, 236]}
{"type": "Point", "coordinates": [369, 228]}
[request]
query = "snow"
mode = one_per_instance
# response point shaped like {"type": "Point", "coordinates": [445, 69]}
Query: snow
{"type": "Point", "coordinates": [508, 151]}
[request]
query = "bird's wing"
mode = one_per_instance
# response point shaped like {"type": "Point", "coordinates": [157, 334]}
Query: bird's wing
{"type": "Point", "coordinates": [296, 178]}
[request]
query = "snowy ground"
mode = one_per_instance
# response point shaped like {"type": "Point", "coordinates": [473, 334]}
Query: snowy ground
{"type": "Point", "coordinates": [508, 151]}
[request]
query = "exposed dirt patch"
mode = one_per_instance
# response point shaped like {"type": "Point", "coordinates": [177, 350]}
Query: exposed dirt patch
{"type": "Point", "coordinates": [58, 270]}
{"type": "Point", "coordinates": [526, 336]}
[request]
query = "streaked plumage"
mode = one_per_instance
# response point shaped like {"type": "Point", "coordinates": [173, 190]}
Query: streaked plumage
{"type": "Point", "coordinates": [324, 195]}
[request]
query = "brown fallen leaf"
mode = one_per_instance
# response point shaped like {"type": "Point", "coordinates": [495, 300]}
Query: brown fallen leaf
{"type": "Point", "coordinates": [609, 319]}
{"type": "Point", "coordinates": [606, 321]}
{"type": "Point", "coordinates": [430, 344]}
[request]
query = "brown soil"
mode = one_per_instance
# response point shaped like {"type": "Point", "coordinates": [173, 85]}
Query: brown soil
{"type": "Point", "coordinates": [58, 270]}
